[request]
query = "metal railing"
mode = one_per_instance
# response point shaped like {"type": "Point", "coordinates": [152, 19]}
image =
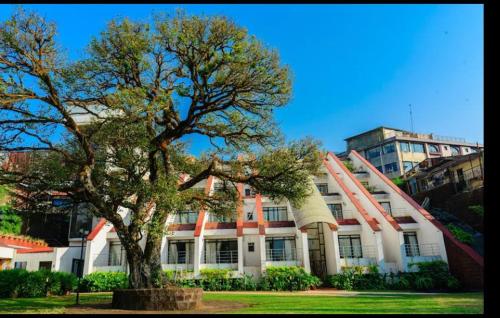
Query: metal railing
{"type": "Point", "coordinates": [343, 215]}
{"type": "Point", "coordinates": [107, 260]}
{"type": "Point", "coordinates": [181, 257]}
{"type": "Point", "coordinates": [430, 249]}
{"type": "Point", "coordinates": [221, 257]}
{"type": "Point", "coordinates": [397, 212]}
{"type": "Point", "coordinates": [281, 255]}
{"type": "Point", "coordinates": [357, 251]}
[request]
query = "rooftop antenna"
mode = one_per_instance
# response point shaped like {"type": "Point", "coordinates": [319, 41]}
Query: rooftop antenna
{"type": "Point", "coordinates": [411, 118]}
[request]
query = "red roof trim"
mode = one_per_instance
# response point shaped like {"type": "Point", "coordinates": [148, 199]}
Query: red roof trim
{"type": "Point", "coordinates": [260, 214]}
{"type": "Point", "coordinates": [201, 215]}
{"type": "Point", "coordinates": [369, 219]}
{"type": "Point", "coordinates": [21, 242]}
{"type": "Point", "coordinates": [239, 210]}
{"type": "Point", "coordinates": [96, 229]}
{"type": "Point", "coordinates": [389, 218]}
{"type": "Point", "coordinates": [36, 250]}
{"type": "Point", "coordinates": [467, 249]}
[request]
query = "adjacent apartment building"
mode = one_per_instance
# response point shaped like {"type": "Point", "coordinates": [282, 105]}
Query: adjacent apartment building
{"type": "Point", "coordinates": [354, 216]}
{"type": "Point", "coordinates": [394, 151]}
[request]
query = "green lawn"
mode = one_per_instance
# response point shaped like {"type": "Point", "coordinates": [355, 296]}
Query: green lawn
{"type": "Point", "coordinates": [265, 303]}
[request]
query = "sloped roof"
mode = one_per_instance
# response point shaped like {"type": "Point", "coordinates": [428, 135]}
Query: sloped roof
{"type": "Point", "coordinates": [313, 210]}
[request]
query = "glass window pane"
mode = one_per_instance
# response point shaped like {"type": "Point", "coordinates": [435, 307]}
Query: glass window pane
{"type": "Point", "coordinates": [404, 146]}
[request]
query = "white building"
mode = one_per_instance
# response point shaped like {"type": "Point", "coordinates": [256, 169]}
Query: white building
{"type": "Point", "coordinates": [341, 224]}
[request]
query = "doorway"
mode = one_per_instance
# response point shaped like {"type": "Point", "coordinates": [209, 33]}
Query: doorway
{"type": "Point", "coordinates": [316, 243]}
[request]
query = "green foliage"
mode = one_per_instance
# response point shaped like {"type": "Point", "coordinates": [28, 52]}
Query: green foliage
{"type": "Point", "coordinates": [429, 276]}
{"type": "Point", "coordinates": [214, 280]}
{"type": "Point", "coordinates": [477, 209]}
{"type": "Point", "coordinates": [104, 281]}
{"type": "Point", "coordinates": [348, 164]}
{"type": "Point", "coordinates": [461, 235]}
{"type": "Point", "coordinates": [21, 283]}
{"type": "Point", "coordinates": [11, 222]}
{"type": "Point", "coordinates": [291, 278]}
{"type": "Point", "coordinates": [398, 181]}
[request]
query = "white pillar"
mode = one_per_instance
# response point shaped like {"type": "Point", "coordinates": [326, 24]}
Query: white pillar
{"type": "Point", "coordinates": [262, 249]}
{"type": "Point", "coordinates": [198, 249]}
{"type": "Point", "coordinates": [336, 251]}
{"type": "Point", "coordinates": [305, 252]}
{"type": "Point", "coordinates": [87, 261]}
{"type": "Point", "coordinates": [240, 255]}
{"type": "Point", "coordinates": [164, 247]}
{"type": "Point", "coordinates": [379, 251]}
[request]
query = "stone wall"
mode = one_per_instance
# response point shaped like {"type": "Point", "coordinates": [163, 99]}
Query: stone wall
{"type": "Point", "coordinates": [171, 298]}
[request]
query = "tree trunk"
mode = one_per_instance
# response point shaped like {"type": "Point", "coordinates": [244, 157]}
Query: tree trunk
{"type": "Point", "coordinates": [145, 272]}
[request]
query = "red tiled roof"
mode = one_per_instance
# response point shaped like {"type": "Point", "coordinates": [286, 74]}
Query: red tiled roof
{"type": "Point", "coordinates": [35, 250]}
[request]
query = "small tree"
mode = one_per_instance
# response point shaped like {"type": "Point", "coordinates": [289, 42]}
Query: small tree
{"type": "Point", "coordinates": [111, 129]}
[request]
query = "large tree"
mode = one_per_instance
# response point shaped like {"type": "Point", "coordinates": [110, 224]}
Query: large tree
{"type": "Point", "coordinates": [112, 128]}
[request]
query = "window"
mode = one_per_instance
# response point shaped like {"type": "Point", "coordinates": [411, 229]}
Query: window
{"type": "Point", "coordinates": [20, 265]}
{"type": "Point", "coordinates": [77, 267]}
{"type": "Point", "coordinates": [280, 249]}
{"type": "Point", "coordinates": [116, 254]}
{"type": "Point", "coordinates": [386, 206]}
{"type": "Point", "coordinates": [275, 213]}
{"type": "Point", "coordinates": [418, 148]}
{"type": "Point", "coordinates": [455, 150]}
{"type": "Point", "coordinates": [81, 218]}
{"type": "Point", "coordinates": [220, 218]}
{"type": "Point", "coordinates": [373, 153]}
{"type": "Point", "coordinates": [221, 252]}
{"type": "Point", "coordinates": [389, 148]}
{"type": "Point", "coordinates": [336, 209]}
{"type": "Point", "coordinates": [350, 246]}
{"type": "Point", "coordinates": [186, 217]}
{"type": "Point", "coordinates": [249, 192]}
{"type": "Point", "coordinates": [379, 168]}
{"type": "Point", "coordinates": [322, 187]}
{"type": "Point", "coordinates": [250, 216]}
{"type": "Point", "coordinates": [404, 146]}
{"type": "Point", "coordinates": [45, 266]}
{"type": "Point", "coordinates": [411, 244]}
{"type": "Point", "coordinates": [433, 148]}
{"type": "Point", "coordinates": [391, 167]}
{"type": "Point", "coordinates": [251, 247]}
{"type": "Point", "coordinates": [180, 251]}
{"type": "Point", "coordinates": [407, 165]}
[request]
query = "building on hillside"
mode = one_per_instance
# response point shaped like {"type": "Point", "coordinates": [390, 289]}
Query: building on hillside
{"type": "Point", "coordinates": [395, 151]}
{"type": "Point", "coordinates": [351, 218]}
{"type": "Point", "coordinates": [465, 172]}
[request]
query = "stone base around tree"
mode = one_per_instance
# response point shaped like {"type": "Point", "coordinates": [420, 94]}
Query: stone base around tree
{"type": "Point", "coordinates": [170, 298]}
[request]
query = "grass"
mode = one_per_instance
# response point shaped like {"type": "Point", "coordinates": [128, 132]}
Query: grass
{"type": "Point", "coordinates": [468, 303]}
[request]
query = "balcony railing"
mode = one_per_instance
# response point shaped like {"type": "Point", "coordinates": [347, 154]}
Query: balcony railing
{"type": "Point", "coordinates": [398, 212]}
{"type": "Point", "coordinates": [181, 257]}
{"type": "Point", "coordinates": [430, 249]}
{"type": "Point", "coordinates": [358, 251]}
{"type": "Point", "coordinates": [221, 257]}
{"type": "Point", "coordinates": [281, 255]}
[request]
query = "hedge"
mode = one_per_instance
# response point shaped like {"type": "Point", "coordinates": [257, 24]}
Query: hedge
{"type": "Point", "coordinates": [430, 276]}
{"type": "Point", "coordinates": [104, 281]}
{"type": "Point", "coordinates": [275, 278]}
{"type": "Point", "coordinates": [22, 283]}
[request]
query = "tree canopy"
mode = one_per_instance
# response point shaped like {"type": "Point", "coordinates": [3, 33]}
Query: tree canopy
{"type": "Point", "coordinates": [111, 129]}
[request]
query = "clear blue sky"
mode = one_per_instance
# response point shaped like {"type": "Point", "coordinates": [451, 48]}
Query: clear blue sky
{"type": "Point", "coordinates": [355, 67]}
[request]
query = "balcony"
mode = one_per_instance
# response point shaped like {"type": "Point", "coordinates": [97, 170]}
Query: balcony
{"type": "Point", "coordinates": [180, 260]}
{"type": "Point", "coordinates": [104, 262]}
{"type": "Point", "coordinates": [221, 259]}
{"type": "Point", "coordinates": [361, 174]}
{"type": "Point", "coordinates": [422, 252]}
{"type": "Point", "coordinates": [399, 212]}
{"type": "Point", "coordinates": [283, 257]}
{"type": "Point", "coordinates": [358, 255]}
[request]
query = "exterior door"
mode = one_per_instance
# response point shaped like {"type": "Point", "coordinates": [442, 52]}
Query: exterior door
{"type": "Point", "coordinates": [316, 243]}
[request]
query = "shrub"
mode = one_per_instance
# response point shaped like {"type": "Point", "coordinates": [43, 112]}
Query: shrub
{"type": "Point", "coordinates": [287, 278]}
{"type": "Point", "coordinates": [438, 272]}
{"type": "Point", "coordinates": [477, 209]}
{"type": "Point", "coordinates": [10, 282]}
{"type": "Point", "coordinates": [460, 234]}
{"type": "Point", "coordinates": [104, 281]}
{"type": "Point", "coordinates": [21, 283]}
{"type": "Point", "coordinates": [358, 278]}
